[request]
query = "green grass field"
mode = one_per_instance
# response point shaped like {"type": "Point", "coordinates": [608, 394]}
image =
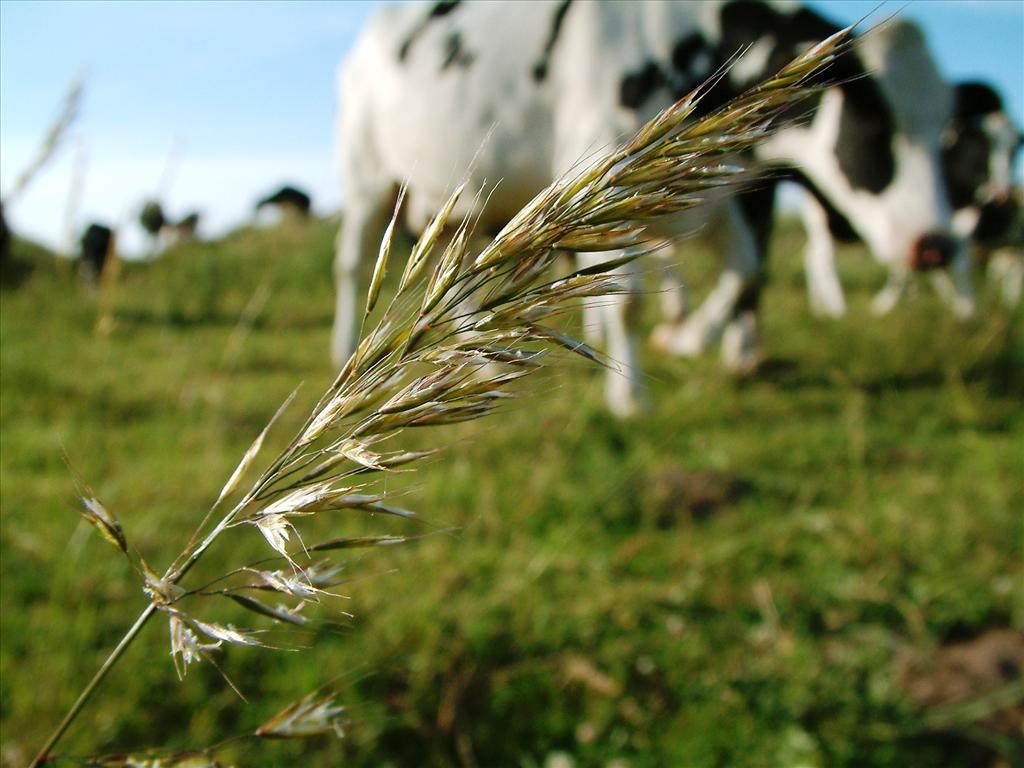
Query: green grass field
{"type": "Point", "coordinates": [752, 573]}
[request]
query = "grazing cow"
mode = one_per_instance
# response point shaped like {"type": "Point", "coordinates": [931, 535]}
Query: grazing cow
{"type": "Point", "coordinates": [152, 218]}
{"type": "Point", "coordinates": [97, 244]}
{"type": "Point", "coordinates": [978, 148]}
{"type": "Point", "coordinates": [157, 224]}
{"type": "Point", "coordinates": [981, 146]}
{"type": "Point", "coordinates": [288, 199]}
{"type": "Point", "coordinates": [430, 93]}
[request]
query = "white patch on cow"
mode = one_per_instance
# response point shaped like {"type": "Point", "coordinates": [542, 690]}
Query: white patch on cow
{"type": "Point", "coordinates": [965, 221]}
{"type": "Point", "coordinates": [740, 344]}
{"type": "Point", "coordinates": [753, 64]}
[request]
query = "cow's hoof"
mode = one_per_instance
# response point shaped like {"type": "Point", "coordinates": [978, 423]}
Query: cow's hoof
{"type": "Point", "coordinates": [884, 302]}
{"type": "Point", "coordinates": [681, 340]}
{"type": "Point", "coordinates": [828, 310]}
{"type": "Point", "coordinates": [740, 348]}
{"type": "Point", "coordinates": [964, 309]}
{"type": "Point", "coordinates": [625, 401]}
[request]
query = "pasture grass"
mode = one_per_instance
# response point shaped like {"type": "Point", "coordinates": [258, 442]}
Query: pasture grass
{"type": "Point", "coordinates": [732, 578]}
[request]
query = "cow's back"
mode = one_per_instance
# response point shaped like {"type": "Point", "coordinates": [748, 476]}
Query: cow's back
{"type": "Point", "coordinates": [426, 99]}
{"type": "Point", "coordinates": [518, 92]}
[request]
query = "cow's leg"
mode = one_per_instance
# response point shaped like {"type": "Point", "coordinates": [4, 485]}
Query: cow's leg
{"type": "Point", "coordinates": [616, 319]}
{"type": "Point", "coordinates": [358, 243]}
{"type": "Point", "coordinates": [741, 341]}
{"type": "Point", "coordinates": [593, 322]}
{"type": "Point", "coordinates": [675, 297]}
{"type": "Point", "coordinates": [823, 287]}
{"type": "Point", "coordinates": [731, 307]}
{"type": "Point", "coordinates": [729, 233]}
{"type": "Point", "coordinates": [1005, 273]}
{"type": "Point", "coordinates": [955, 285]}
{"type": "Point", "coordinates": [887, 298]}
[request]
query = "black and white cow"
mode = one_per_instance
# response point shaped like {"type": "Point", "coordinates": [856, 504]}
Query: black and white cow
{"type": "Point", "coordinates": [979, 145]}
{"type": "Point", "coordinates": [980, 151]}
{"type": "Point", "coordinates": [548, 83]}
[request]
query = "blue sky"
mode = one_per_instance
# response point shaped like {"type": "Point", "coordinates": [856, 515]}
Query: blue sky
{"type": "Point", "coordinates": [213, 103]}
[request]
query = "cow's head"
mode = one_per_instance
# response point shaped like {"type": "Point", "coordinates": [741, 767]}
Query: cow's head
{"type": "Point", "coordinates": [872, 147]}
{"type": "Point", "coordinates": [979, 147]}
{"type": "Point", "coordinates": [888, 149]}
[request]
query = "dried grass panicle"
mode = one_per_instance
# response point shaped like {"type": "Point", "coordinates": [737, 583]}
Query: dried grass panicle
{"type": "Point", "coordinates": [453, 349]}
{"type": "Point", "coordinates": [159, 760]}
{"type": "Point", "coordinates": [446, 350]}
{"type": "Point", "coordinates": [313, 715]}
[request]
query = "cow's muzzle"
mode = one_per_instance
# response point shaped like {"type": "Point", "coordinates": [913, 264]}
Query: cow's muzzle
{"type": "Point", "coordinates": [933, 251]}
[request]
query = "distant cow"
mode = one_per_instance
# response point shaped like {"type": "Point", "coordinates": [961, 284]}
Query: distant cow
{"type": "Point", "coordinates": [157, 224]}
{"type": "Point", "coordinates": [424, 84]}
{"type": "Point", "coordinates": [288, 199]}
{"type": "Point", "coordinates": [152, 218]}
{"type": "Point", "coordinates": [979, 145]}
{"type": "Point", "coordinates": [97, 244]}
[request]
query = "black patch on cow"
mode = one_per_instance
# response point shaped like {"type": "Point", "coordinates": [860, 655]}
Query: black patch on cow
{"type": "Point", "coordinates": [965, 163]}
{"type": "Point", "coordinates": [638, 86]}
{"type": "Point", "coordinates": [968, 146]}
{"type": "Point", "coordinates": [866, 124]}
{"type": "Point", "coordinates": [686, 50]}
{"type": "Point", "coordinates": [864, 144]}
{"type": "Point", "coordinates": [995, 223]}
{"type": "Point", "coordinates": [838, 224]}
{"type": "Point", "coordinates": [439, 9]}
{"type": "Point", "coordinates": [758, 206]}
{"type": "Point", "coordinates": [745, 22]}
{"type": "Point", "coordinates": [975, 100]}
{"type": "Point", "coordinates": [454, 53]}
{"type": "Point", "coordinates": [540, 69]}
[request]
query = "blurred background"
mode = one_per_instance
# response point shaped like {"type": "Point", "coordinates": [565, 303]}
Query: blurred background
{"type": "Point", "coordinates": [208, 108]}
{"type": "Point", "coordinates": [819, 565]}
